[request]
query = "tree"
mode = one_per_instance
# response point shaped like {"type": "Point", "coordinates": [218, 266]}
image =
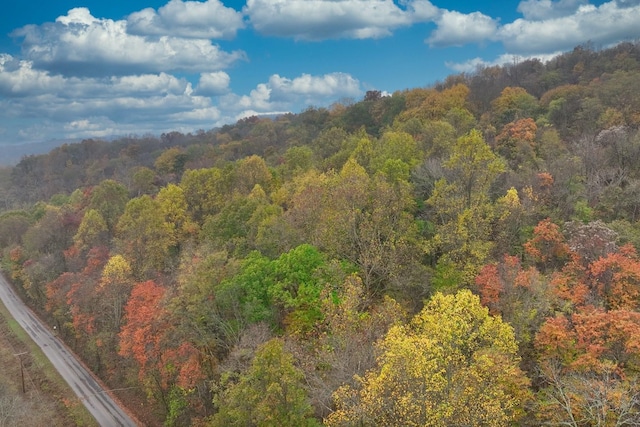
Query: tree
{"type": "Point", "coordinates": [114, 287]}
{"type": "Point", "coordinates": [173, 204]}
{"type": "Point", "coordinates": [342, 346]}
{"type": "Point", "coordinates": [369, 222]}
{"type": "Point", "coordinates": [143, 328]}
{"type": "Point", "coordinates": [590, 365]}
{"type": "Point", "coordinates": [453, 364]}
{"type": "Point", "coordinates": [144, 236]}
{"type": "Point", "coordinates": [283, 292]}
{"type": "Point", "coordinates": [92, 231]}
{"type": "Point", "coordinates": [204, 190]}
{"type": "Point", "coordinates": [249, 172]}
{"type": "Point", "coordinates": [516, 142]}
{"type": "Point", "coordinates": [269, 394]}
{"type": "Point", "coordinates": [143, 181]}
{"type": "Point", "coordinates": [461, 207]}
{"type": "Point", "coordinates": [522, 296]}
{"type": "Point", "coordinates": [171, 163]}
{"type": "Point", "coordinates": [513, 103]}
{"type": "Point", "coordinates": [109, 198]}
{"type": "Point", "coordinates": [548, 247]}
{"type": "Point", "coordinates": [13, 225]}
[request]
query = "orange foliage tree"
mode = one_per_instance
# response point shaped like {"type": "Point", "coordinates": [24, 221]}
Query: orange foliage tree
{"type": "Point", "coordinates": [589, 363]}
{"type": "Point", "coordinates": [168, 366]}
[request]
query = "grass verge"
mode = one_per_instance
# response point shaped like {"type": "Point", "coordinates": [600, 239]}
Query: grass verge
{"type": "Point", "coordinates": [48, 400]}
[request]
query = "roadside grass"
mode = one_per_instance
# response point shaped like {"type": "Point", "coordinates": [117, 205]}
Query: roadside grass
{"type": "Point", "coordinates": [50, 398]}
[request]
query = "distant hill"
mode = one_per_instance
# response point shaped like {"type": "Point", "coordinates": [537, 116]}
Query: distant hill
{"type": "Point", "coordinates": [12, 154]}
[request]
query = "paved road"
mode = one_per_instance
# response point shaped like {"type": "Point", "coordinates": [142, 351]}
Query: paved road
{"type": "Point", "coordinates": [105, 410]}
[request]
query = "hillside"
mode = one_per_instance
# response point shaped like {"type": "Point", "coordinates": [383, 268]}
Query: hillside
{"type": "Point", "coordinates": [445, 255]}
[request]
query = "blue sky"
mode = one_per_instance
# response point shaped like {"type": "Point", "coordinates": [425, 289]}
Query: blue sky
{"type": "Point", "coordinates": [74, 69]}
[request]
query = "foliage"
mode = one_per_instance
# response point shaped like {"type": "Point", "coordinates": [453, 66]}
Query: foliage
{"type": "Point", "coordinates": [270, 393]}
{"type": "Point", "coordinates": [461, 206]}
{"type": "Point", "coordinates": [327, 229]}
{"type": "Point", "coordinates": [453, 364]}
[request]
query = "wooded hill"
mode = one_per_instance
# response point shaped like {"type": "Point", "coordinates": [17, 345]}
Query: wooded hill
{"type": "Point", "coordinates": [463, 254]}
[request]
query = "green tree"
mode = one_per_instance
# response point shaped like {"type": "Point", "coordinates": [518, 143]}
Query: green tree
{"type": "Point", "coordinates": [452, 365]}
{"type": "Point", "coordinates": [270, 394]}
{"type": "Point", "coordinates": [109, 198]}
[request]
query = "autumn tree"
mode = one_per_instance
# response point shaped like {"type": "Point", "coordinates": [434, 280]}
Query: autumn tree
{"type": "Point", "coordinates": [517, 142]}
{"type": "Point", "coordinates": [235, 227]}
{"type": "Point", "coordinates": [204, 190]}
{"type": "Point", "coordinates": [513, 103]}
{"type": "Point", "coordinates": [249, 172]}
{"type": "Point", "coordinates": [368, 221]}
{"type": "Point", "coordinates": [143, 181]}
{"type": "Point", "coordinates": [109, 199]}
{"type": "Point", "coordinates": [548, 247]}
{"type": "Point", "coordinates": [168, 365]}
{"type": "Point", "coordinates": [143, 326]}
{"type": "Point", "coordinates": [522, 296]}
{"type": "Point", "coordinates": [433, 104]}
{"type": "Point", "coordinates": [13, 225]}
{"type": "Point", "coordinates": [461, 207]}
{"type": "Point", "coordinates": [453, 364]}
{"type": "Point", "coordinates": [589, 363]}
{"type": "Point", "coordinates": [93, 231]}
{"type": "Point", "coordinates": [170, 163]}
{"type": "Point", "coordinates": [342, 347]}
{"type": "Point", "coordinates": [173, 204]}
{"type": "Point", "coordinates": [144, 236]}
{"type": "Point", "coordinates": [270, 394]}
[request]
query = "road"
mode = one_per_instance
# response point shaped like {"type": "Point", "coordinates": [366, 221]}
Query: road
{"type": "Point", "coordinates": [104, 409]}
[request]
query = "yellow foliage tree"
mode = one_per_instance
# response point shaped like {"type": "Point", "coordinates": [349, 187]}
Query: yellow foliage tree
{"type": "Point", "coordinates": [452, 365]}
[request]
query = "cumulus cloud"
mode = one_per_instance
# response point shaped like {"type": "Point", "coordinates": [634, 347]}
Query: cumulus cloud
{"type": "Point", "coordinates": [80, 44]}
{"type": "Point", "coordinates": [548, 26]}
{"type": "Point", "coordinates": [605, 24]}
{"type": "Point", "coordinates": [547, 9]}
{"type": "Point", "coordinates": [207, 20]}
{"type": "Point", "coordinates": [282, 94]}
{"type": "Point", "coordinates": [213, 84]}
{"type": "Point", "coordinates": [79, 107]}
{"type": "Point", "coordinates": [456, 29]}
{"type": "Point", "coordinates": [18, 78]}
{"type": "Point", "coordinates": [333, 19]}
{"type": "Point", "coordinates": [332, 85]}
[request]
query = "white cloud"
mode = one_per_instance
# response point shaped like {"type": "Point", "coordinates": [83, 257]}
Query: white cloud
{"type": "Point", "coordinates": [148, 85]}
{"type": "Point", "coordinates": [333, 19]}
{"type": "Point", "coordinates": [334, 85]}
{"type": "Point", "coordinates": [546, 9]}
{"type": "Point", "coordinates": [79, 44]}
{"type": "Point", "coordinates": [207, 20]}
{"type": "Point", "coordinates": [281, 95]}
{"type": "Point", "coordinates": [605, 24]}
{"type": "Point", "coordinates": [213, 84]}
{"type": "Point", "coordinates": [456, 29]}
{"type": "Point", "coordinates": [82, 107]}
{"type": "Point", "coordinates": [18, 78]}
{"type": "Point", "coordinates": [205, 115]}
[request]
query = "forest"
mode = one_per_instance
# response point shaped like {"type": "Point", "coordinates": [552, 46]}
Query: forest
{"type": "Point", "coordinates": [463, 254]}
